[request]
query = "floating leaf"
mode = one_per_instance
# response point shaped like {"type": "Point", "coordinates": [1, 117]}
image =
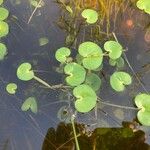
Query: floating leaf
{"type": "Point", "coordinates": [24, 72]}
{"type": "Point", "coordinates": [43, 41]}
{"type": "Point", "coordinates": [92, 54]}
{"type": "Point", "coordinates": [1, 2]}
{"type": "Point", "coordinates": [4, 29]}
{"type": "Point", "coordinates": [118, 80]}
{"type": "Point", "coordinates": [3, 13]}
{"type": "Point", "coordinates": [11, 88]}
{"type": "Point", "coordinates": [144, 5]}
{"type": "Point", "coordinates": [3, 51]}
{"type": "Point", "coordinates": [30, 103]}
{"type": "Point", "coordinates": [114, 49]}
{"type": "Point", "coordinates": [90, 15]}
{"type": "Point", "coordinates": [76, 74]}
{"type": "Point", "coordinates": [86, 98]}
{"type": "Point", "coordinates": [142, 101]}
{"type": "Point", "coordinates": [62, 54]}
{"type": "Point", "coordinates": [117, 62]}
{"type": "Point", "coordinates": [93, 81]}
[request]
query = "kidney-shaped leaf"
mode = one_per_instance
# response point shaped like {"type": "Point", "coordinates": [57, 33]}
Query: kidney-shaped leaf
{"type": "Point", "coordinates": [86, 98]}
{"type": "Point", "coordinates": [11, 88]}
{"type": "Point", "coordinates": [142, 101]}
{"type": "Point", "coordinates": [144, 5]}
{"type": "Point", "coordinates": [30, 103]}
{"type": "Point", "coordinates": [117, 62]}
{"type": "Point", "coordinates": [76, 74]}
{"type": "Point", "coordinates": [43, 41]}
{"type": "Point", "coordinates": [4, 29]}
{"type": "Point", "coordinates": [92, 55]}
{"type": "Point", "coordinates": [114, 49]}
{"type": "Point", "coordinates": [62, 54]}
{"type": "Point", "coordinates": [3, 13]}
{"type": "Point", "coordinates": [3, 51]}
{"type": "Point", "coordinates": [93, 81]}
{"type": "Point", "coordinates": [119, 79]}
{"type": "Point", "coordinates": [90, 15]}
{"type": "Point", "coordinates": [25, 72]}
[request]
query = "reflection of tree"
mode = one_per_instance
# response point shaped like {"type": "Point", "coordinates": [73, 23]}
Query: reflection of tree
{"type": "Point", "coordinates": [101, 139]}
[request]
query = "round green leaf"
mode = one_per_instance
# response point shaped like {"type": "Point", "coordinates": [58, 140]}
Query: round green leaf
{"type": "Point", "coordinates": [90, 15]}
{"type": "Point", "coordinates": [30, 103]}
{"type": "Point", "coordinates": [118, 80]}
{"type": "Point", "coordinates": [3, 51]}
{"type": "Point", "coordinates": [144, 5]}
{"type": "Point", "coordinates": [62, 54]}
{"type": "Point", "coordinates": [93, 81]}
{"type": "Point", "coordinates": [76, 74]}
{"type": "Point", "coordinates": [3, 13]}
{"type": "Point", "coordinates": [117, 62]}
{"type": "Point", "coordinates": [143, 117]}
{"type": "Point", "coordinates": [43, 41]}
{"type": "Point", "coordinates": [92, 54]}
{"type": "Point", "coordinates": [24, 72]}
{"type": "Point", "coordinates": [11, 88]}
{"type": "Point", "coordinates": [86, 98]}
{"type": "Point", "coordinates": [4, 29]}
{"type": "Point", "coordinates": [142, 100]}
{"type": "Point", "coordinates": [1, 2]}
{"type": "Point", "coordinates": [114, 49]}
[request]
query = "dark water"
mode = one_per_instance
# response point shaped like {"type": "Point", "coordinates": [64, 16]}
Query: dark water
{"type": "Point", "coordinates": [25, 130]}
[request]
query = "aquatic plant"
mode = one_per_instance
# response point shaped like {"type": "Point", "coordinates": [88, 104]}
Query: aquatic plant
{"type": "Point", "coordinates": [86, 98]}
{"type": "Point", "coordinates": [4, 29]}
{"type": "Point", "coordinates": [3, 13]}
{"type": "Point", "coordinates": [3, 51]}
{"type": "Point", "coordinates": [118, 80]}
{"type": "Point", "coordinates": [43, 41]}
{"type": "Point", "coordinates": [11, 88]}
{"type": "Point", "coordinates": [144, 5]}
{"type": "Point", "coordinates": [114, 49]}
{"type": "Point", "coordinates": [62, 54]}
{"type": "Point", "coordinates": [117, 62]}
{"type": "Point", "coordinates": [142, 101]}
{"type": "Point", "coordinates": [76, 74]}
{"type": "Point", "coordinates": [90, 15]}
{"type": "Point", "coordinates": [92, 55]}
{"type": "Point", "coordinates": [30, 103]}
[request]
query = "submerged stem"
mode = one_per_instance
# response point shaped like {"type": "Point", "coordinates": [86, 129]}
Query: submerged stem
{"type": "Point", "coordinates": [74, 132]}
{"type": "Point", "coordinates": [119, 106]}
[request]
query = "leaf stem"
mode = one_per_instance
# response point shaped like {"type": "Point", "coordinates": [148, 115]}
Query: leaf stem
{"type": "Point", "coordinates": [119, 106]}
{"type": "Point", "coordinates": [74, 132]}
{"type": "Point", "coordinates": [42, 81]}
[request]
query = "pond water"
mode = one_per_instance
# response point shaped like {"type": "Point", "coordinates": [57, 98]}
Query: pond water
{"type": "Point", "coordinates": [27, 131]}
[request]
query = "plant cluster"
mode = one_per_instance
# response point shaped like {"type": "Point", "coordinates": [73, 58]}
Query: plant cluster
{"type": "Point", "coordinates": [4, 29]}
{"type": "Point", "coordinates": [81, 71]}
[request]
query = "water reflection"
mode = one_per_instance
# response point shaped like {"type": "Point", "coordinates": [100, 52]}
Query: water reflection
{"type": "Point", "coordinates": [123, 138]}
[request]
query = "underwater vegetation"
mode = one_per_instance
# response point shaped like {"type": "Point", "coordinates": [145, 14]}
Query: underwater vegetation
{"type": "Point", "coordinates": [81, 62]}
